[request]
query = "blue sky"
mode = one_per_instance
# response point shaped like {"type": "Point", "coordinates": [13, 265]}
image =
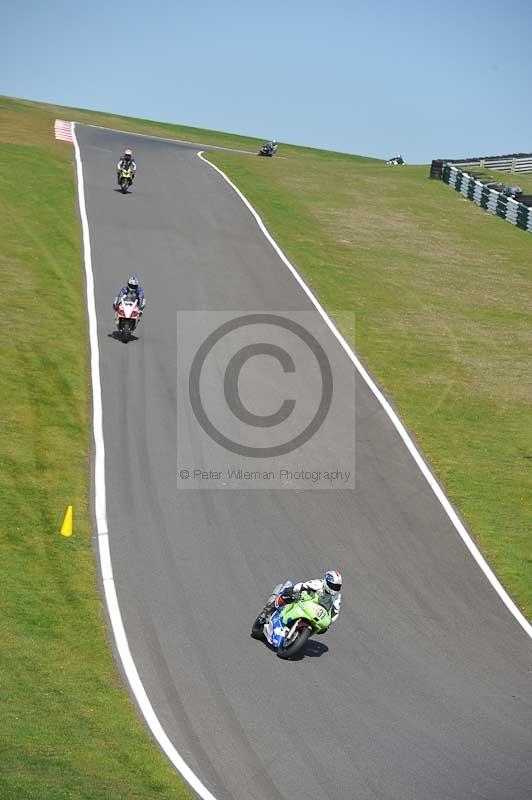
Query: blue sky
{"type": "Point", "coordinates": [425, 79]}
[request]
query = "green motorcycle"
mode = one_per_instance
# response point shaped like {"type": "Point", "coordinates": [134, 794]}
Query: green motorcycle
{"type": "Point", "coordinates": [289, 628]}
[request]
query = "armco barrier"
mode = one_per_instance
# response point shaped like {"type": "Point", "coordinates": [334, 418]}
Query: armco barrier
{"type": "Point", "coordinates": [497, 203]}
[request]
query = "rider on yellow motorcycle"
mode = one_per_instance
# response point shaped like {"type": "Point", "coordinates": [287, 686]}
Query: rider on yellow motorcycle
{"type": "Point", "coordinates": [126, 162]}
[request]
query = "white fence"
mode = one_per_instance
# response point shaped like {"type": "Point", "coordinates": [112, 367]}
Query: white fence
{"type": "Point", "coordinates": [520, 162]}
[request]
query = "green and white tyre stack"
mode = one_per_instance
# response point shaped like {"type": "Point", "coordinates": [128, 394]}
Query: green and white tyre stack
{"type": "Point", "coordinates": [505, 207]}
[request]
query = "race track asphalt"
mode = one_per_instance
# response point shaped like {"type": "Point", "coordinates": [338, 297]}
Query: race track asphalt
{"type": "Point", "coordinates": [422, 689]}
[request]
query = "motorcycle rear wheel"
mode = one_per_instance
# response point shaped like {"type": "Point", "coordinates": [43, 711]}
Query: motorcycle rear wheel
{"type": "Point", "coordinates": [296, 647]}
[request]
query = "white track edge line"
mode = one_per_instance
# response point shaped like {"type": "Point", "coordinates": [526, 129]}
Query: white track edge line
{"type": "Point", "coordinates": [111, 598]}
{"type": "Point", "coordinates": [416, 455]}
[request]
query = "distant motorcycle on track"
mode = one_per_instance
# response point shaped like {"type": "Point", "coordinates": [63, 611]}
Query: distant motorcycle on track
{"type": "Point", "coordinates": [396, 161]}
{"type": "Point", "coordinates": [288, 628]}
{"type": "Point", "coordinates": [268, 149]}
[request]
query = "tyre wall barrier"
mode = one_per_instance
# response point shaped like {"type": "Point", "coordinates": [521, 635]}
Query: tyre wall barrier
{"type": "Point", "coordinates": [495, 202]}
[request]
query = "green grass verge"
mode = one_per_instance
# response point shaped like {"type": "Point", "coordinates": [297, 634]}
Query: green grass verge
{"type": "Point", "coordinates": [442, 293]}
{"type": "Point", "coordinates": [68, 728]}
{"type": "Point", "coordinates": [46, 114]}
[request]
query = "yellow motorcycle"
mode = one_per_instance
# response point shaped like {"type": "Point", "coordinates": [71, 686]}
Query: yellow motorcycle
{"type": "Point", "coordinates": [125, 179]}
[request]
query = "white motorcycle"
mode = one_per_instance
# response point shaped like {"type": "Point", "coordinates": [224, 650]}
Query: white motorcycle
{"type": "Point", "coordinates": [127, 316]}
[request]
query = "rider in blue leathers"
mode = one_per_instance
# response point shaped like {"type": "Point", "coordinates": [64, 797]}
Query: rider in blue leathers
{"type": "Point", "coordinates": [132, 287]}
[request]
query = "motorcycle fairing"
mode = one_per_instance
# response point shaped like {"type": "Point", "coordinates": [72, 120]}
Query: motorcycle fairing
{"type": "Point", "coordinates": [275, 630]}
{"type": "Point", "coordinates": [310, 607]}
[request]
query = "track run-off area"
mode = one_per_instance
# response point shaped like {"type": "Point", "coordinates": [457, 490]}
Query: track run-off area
{"type": "Point", "coordinates": [421, 691]}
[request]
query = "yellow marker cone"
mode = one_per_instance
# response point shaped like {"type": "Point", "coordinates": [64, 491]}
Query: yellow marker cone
{"type": "Point", "coordinates": [66, 527]}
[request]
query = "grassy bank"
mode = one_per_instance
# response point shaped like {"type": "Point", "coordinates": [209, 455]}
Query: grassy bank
{"type": "Point", "coordinates": [442, 293]}
{"type": "Point", "coordinates": [69, 730]}
{"type": "Point", "coordinates": [45, 114]}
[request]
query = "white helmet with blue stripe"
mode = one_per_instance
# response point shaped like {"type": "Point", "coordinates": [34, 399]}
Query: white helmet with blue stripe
{"type": "Point", "coordinates": [333, 581]}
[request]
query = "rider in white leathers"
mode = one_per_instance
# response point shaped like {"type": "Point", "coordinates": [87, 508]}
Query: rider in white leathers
{"type": "Point", "coordinates": [328, 589]}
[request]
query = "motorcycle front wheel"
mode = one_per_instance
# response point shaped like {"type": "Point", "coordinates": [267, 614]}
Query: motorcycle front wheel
{"type": "Point", "coordinates": [297, 646]}
{"type": "Point", "coordinates": [123, 186]}
{"type": "Point", "coordinates": [126, 331]}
